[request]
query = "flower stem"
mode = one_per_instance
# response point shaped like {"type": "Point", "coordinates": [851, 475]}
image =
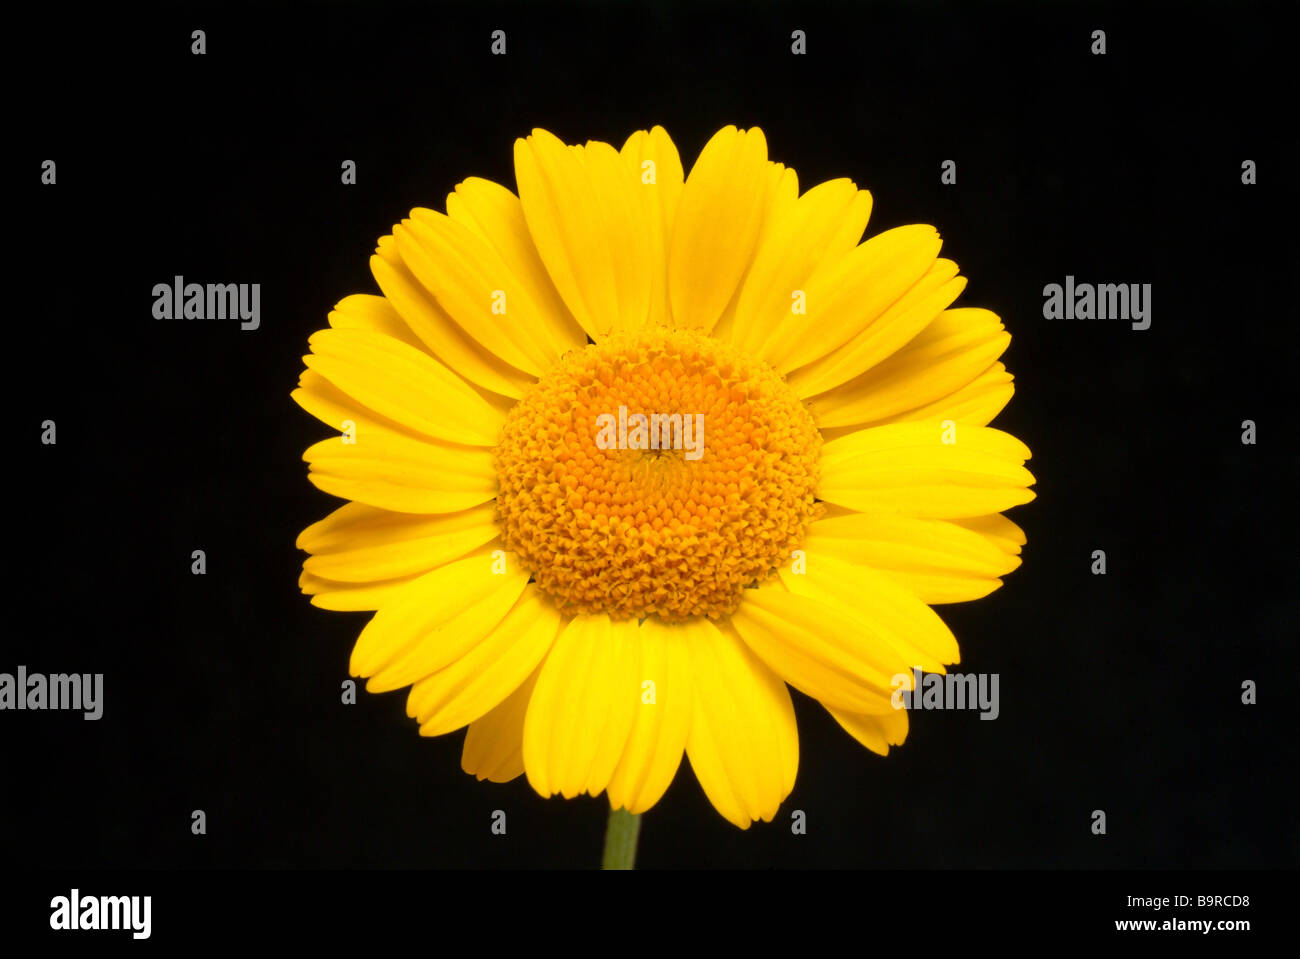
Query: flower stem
{"type": "Point", "coordinates": [620, 840]}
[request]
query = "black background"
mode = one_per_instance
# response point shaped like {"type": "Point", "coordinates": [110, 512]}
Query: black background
{"type": "Point", "coordinates": [1118, 692]}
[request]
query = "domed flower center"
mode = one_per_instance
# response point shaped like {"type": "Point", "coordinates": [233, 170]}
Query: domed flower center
{"type": "Point", "coordinates": [657, 472]}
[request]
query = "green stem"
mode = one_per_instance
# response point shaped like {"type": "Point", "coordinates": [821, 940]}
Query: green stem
{"type": "Point", "coordinates": [620, 840]}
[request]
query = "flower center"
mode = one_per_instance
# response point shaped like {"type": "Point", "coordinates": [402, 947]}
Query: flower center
{"type": "Point", "coordinates": [656, 473]}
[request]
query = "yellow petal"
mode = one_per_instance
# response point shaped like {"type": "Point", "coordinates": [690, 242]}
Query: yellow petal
{"type": "Point", "coordinates": [948, 354]}
{"type": "Point", "coordinates": [718, 222]}
{"type": "Point", "coordinates": [336, 409]}
{"type": "Point", "coordinates": [358, 543]}
{"type": "Point", "coordinates": [352, 597]}
{"type": "Point", "coordinates": [496, 214]}
{"type": "Point", "coordinates": [875, 731]}
{"type": "Point", "coordinates": [658, 170]}
{"type": "Point", "coordinates": [470, 282]}
{"type": "Point", "coordinates": [976, 403]}
{"type": "Point", "coordinates": [583, 707]}
{"type": "Point", "coordinates": [900, 631]}
{"type": "Point", "coordinates": [618, 191]}
{"type": "Point", "coordinates": [937, 561]}
{"type": "Point", "coordinates": [385, 469]}
{"type": "Point", "coordinates": [848, 301]}
{"type": "Point", "coordinates": [663, 718]}
{"type": "Point", "coordinates": [998, 530]}
{"type": "Point", "coordinates": [404, 384]}
{"type": "Point", "coordinates": [904, 436]}
{"type": "Point", "coordinates": [743, 743]}
{"type": "Point", "coordinates": [583, 211]}
{"type": "Point", "coordinates": [815, 648]}
{"type": "Point", "coordinates": [780, 193]}
{"type": "Point", "coordinates": [436, 619]}
{"type": "Point", "coordinates": [364, 311]}
{"type": "Point", "coordinates": [908, 468]}
{"type": "Point", "coordinates": [494, 745]}
{"type": "Point", "coordinates": [447, 341]}
{"type": "Point", "coordinates": [880, 334]}
{"type": "Point", "coordinates": [799, 239]}
{"type": "Point", "coordinates": [470, 686]}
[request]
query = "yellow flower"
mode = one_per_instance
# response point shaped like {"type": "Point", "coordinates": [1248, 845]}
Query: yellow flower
{"type": "Point", "coordinates": [592, 598]}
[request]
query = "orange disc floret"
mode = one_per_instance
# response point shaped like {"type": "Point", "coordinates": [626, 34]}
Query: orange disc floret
{"type": "Point", "coordinates": [612, 516]}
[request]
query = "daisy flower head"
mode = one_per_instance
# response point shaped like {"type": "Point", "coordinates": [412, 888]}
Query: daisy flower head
{"type": "Point", "coordinates": [628, 453]}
